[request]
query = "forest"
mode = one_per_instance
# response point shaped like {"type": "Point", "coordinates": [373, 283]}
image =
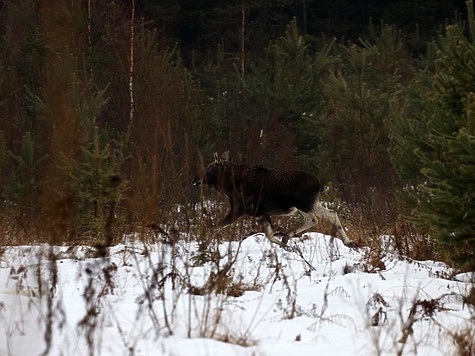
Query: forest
{"type": "Point", "coordinates": [109, 108]}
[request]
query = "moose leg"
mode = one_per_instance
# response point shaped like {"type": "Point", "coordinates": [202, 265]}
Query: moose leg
{"type": "Point", "coordinates": [266, 224]}
{"type": "Point", "coordinates": [331, 216]}
{"type": "Point", "coordinates": [309, 220]}
{"type": "Point", "coordinates": [234, 213]}
{"type": "Point", "coordinates": [229, 218]}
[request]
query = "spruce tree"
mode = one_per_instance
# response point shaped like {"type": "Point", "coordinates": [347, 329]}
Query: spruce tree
{"type": "Point", "coordinates": [434, 149]}
{"type": "Point", "coordinates": [359, 91]}
{"type": "Point", "coordinates": [282, 92]}
{"type": "Point", "coordinates": [99, 188]}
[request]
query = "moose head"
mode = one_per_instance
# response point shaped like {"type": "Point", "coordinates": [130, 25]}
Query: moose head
{"type": "Point", "coordinates": [214, 174]}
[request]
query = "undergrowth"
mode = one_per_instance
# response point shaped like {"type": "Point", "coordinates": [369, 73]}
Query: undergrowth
{"type": "Point", "coordinates": [167, 252]}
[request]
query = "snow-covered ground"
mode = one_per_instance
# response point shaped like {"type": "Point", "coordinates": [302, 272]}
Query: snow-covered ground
{"type": "Point", "coordinates": [155, 299]}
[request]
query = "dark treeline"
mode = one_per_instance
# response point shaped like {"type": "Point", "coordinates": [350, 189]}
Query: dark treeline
{"type": "Point", "coordinates": [200, 27]}
{"type": "Point", "coordinates": [107, 108]}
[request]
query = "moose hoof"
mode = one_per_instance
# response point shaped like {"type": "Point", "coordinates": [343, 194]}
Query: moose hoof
{"type": "Point", "coordinates": [288, 248]}
{"type": "Point", "coordinates": [283, 243]}
{"type": "Point", "coordinates": [285, 239]}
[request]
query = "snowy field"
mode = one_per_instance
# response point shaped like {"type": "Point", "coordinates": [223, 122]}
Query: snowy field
{"type": "Point", "coordinates": [155, 299]}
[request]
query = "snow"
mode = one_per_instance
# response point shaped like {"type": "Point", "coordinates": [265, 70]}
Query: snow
{"type": "Point", "coordinates": [320, 298]}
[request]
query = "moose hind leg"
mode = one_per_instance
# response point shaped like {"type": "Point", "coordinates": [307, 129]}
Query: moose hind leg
{"type": "Point", "coordinates": [331, 216]}
{"type": "Point", "coordinates": [266, 224]}
{"type": "Point", "coordinates": [309, 220]}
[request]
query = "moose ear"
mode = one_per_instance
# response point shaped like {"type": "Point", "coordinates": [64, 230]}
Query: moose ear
{"type": "Point", "coordinates": [216, 157]}
{"type": "Point", "coordinates": [225, 156]}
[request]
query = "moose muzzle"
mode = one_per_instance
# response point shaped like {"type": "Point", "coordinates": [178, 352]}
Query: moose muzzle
{"type": "Point", "coordinates": [197, 181]}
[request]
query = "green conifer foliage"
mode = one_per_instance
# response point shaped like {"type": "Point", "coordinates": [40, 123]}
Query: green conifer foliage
{"type": "Point", "coordinates": [24, 183]}
{"type": "Point", "coordinates": [434, 149]}
{"type": "Point", "coordinates": [282, 97]}
{"type": "Point", "coordinates": [359, 93]}
{"type": "Point", "coordinates": [295, 88]}
{"type": "Point", "coordinates": [99, 188]}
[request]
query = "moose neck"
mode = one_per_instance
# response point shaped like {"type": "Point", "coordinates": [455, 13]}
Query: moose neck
{"type": "Point", "coordinates": [226, 178]}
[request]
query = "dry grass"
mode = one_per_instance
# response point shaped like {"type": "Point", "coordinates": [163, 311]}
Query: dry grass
{"type": "Point", "coordinates": [465, 342]}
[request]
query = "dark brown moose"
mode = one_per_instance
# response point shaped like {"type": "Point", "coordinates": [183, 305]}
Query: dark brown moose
{"type": "Point", "coordinates": [261, 192]}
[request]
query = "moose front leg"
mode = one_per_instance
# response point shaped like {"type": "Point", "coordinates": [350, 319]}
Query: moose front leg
{"type": "Point", "coordinates": [234, 213]}
{"type": "Point", "coordinates": [265, 222]}
{"type": "Point", "coordinates": [228, 219]}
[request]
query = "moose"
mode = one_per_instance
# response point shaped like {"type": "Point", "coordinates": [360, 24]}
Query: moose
{"type": "Point", "coordinates": [260, 192]}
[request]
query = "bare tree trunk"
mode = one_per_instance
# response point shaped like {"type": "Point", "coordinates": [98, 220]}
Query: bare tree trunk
{"type": "Point", "coordinates": [131, 69]}
{"type": "Point", "coordinates": [471, 21]}
{"type": "Point", "coordinates": [89, 27]}
{"type": "Point", "coordinates": [243, 27]}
